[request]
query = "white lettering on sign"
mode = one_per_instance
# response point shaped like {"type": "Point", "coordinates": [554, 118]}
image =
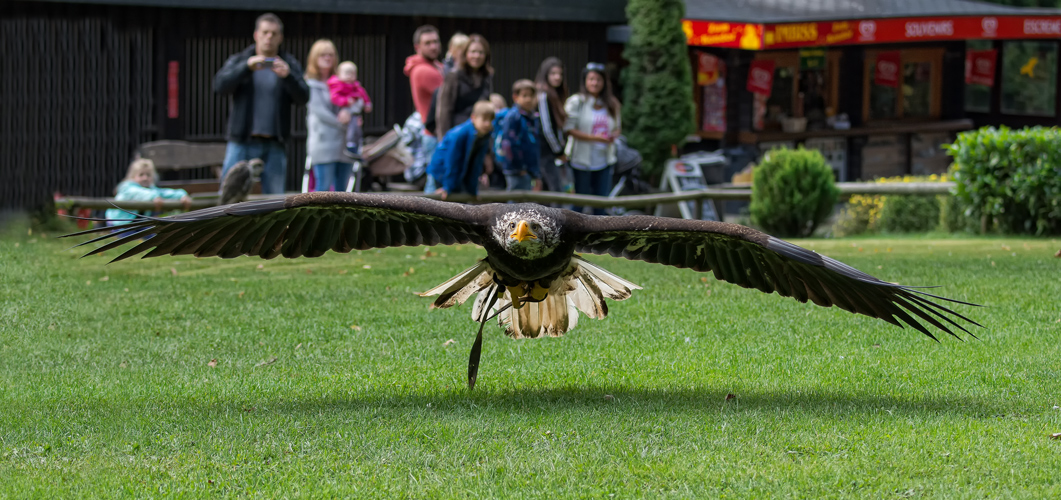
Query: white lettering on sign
{"type": "Point", "coordinates": [867, 29]}
{"type": "Point", "coordinates": [929, 29]}
{"type": "Point", "coordinates": [760, 76]}
{"type": "Point", "coordinates": [989, 25]}
{"type": "Point", "coordinates": [1042, 27]}
{"type": "Point", "coordinates": [888, 69]}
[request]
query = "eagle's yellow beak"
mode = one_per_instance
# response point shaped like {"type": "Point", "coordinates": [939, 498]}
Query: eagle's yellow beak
{"type": "Point", "coordinates": [523, 231]}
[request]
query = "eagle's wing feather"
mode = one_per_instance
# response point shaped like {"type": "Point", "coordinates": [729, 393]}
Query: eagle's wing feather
{"type": "Point", "coordinates": [299, 225]}
{"type": "Point", "coordinates": [753, 259]}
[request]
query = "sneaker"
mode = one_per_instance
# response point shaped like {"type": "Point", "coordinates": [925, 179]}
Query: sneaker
{"type": "Point", "coordinates": [237, 184]}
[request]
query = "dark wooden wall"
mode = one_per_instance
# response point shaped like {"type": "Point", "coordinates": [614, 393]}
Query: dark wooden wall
{"type": "Point", "coordinates": [82, 85]}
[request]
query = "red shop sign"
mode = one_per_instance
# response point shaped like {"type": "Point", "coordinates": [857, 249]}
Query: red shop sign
{"type": "Point", "coordinates": [761, 77]}
{"type": "Point", "coordinates": [980, 67]}
{"type": "Point", "coordinates": [888, 69]}
{"type": "Point", "coordinates": [752, 36]}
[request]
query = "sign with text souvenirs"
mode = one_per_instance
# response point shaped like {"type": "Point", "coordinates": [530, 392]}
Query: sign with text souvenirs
{"type": "Point", "coordinates": [761, 77]}
{"type": "Point", "coordinates": [858, 31]}
{"type": "Point", "coordinates": [888, 69]}
{"type": "Point", "coordinates": [980, 67]}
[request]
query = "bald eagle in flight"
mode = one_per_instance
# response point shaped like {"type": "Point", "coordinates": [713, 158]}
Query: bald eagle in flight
{"type": "Point", "coordinates": [532, 278]}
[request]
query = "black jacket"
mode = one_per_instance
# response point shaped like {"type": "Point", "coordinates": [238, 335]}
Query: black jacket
{"type": "Point", "coordinates": [237, 79]}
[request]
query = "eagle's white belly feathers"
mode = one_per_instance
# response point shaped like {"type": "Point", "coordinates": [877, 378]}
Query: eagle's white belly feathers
{"type": "Point", "coordinates": [581, 287]}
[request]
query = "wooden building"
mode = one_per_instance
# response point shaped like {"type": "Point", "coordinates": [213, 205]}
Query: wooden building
{"type": "Point", "coordinates": [83, 83]}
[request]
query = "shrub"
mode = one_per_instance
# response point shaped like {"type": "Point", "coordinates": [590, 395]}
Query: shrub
{"type": "Point", "coordinates": [909, 214]}
{"type": "Point", "coordinates": [1010, 179]}
{"type": "Point", "coordinates": [952, 217]}
{"type": "Point", "coordinates": [792, 192]}
{"type": "Point", "coordinates": [861, 214]}
{"type": "Point", "coordinates": [900, 213]}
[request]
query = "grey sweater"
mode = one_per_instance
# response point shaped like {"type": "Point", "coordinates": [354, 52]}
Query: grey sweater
{"type": "Point", "coordinates": [325, 136]}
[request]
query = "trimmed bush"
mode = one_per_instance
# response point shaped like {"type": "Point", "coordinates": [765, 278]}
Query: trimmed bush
{"type": "Point", "coordinates": [952, 217]}
{"type": "Point", "coordinates": [792, 192]}
{"type": "Point", "coordinates": [1010, 180]}
{"type": "Point", "coordinates": [901, 213]}
{"type": "Point", "coordinates": [861, 214]}
{"type": "Point", "coordinates": [909, 214]}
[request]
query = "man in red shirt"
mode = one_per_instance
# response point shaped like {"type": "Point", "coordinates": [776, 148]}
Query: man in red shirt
{"type": "Point", "coordinates": [425, 76]}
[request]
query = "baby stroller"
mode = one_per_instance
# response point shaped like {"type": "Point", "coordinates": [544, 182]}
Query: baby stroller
{"type": "Point", "coordinates": [626, 179]}
{"type": "Point", "coordinates": [384, 158]}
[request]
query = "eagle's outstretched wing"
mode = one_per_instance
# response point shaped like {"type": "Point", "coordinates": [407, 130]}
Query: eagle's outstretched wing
{"type": "Point", "coordinates": [299, 225]}
{"type": "Point", "coordinates": [753, 259]}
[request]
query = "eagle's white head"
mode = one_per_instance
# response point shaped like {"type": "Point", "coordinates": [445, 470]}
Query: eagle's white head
{"type": "Point", "coordinates": [527, 233]}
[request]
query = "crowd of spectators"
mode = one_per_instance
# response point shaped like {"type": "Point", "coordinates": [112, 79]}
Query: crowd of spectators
{"type": "Point", "coordinates": [463, 133]}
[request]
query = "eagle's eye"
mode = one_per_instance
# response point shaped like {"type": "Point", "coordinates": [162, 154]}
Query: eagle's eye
{"type": "Point", "coordinates": [512, 225]}
{"type": "Point", "coordinates": [536, 227]}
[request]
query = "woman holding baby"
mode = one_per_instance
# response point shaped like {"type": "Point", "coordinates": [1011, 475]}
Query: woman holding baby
{"type": "Point", "coordinates": [326, 123]}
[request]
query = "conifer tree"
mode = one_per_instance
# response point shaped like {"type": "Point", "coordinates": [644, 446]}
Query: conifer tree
{"type": "Point", "coordinates": [657, 85]}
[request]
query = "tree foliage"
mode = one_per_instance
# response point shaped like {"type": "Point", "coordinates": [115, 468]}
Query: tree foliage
{"type": "Point", "coordinates": [657, 85]}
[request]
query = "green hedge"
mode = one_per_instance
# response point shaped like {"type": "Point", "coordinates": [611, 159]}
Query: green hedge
{"type": "Point", "coordinates": [864, 214]}
{"type": "Point", "coordinates": [792, 192]}
{"type": "Point", "coordinates": [1010, 180]}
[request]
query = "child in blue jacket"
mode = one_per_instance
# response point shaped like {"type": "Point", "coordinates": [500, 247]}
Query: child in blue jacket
{"type": "Point", "coordinates": [139, 185]}
{"type": "Point", "coordinates": [458, 161]}
{"type": "Point", "coordinates": [516, 139]}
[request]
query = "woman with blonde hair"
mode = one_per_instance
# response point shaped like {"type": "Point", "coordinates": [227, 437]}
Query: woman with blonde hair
{"type": "Point", "coordinates": [457, 43]}
{"type": "Point", "coordinates": [325, 122]}
{"type": "Point", "coordinates": [139, 185]}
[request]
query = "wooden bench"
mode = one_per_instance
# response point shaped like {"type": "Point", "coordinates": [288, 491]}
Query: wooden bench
{"type": "Point", "coordinates": [176, 156]}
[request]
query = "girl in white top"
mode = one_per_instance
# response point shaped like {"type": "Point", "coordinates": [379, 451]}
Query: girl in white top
{"type": "Point", "coordinates": [593, 123]}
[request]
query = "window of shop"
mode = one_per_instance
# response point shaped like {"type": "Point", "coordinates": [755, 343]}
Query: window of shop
{"type": "Point", "coordinates": [804, 86]}
{"type": "Point", "coordinates": [1029, 78]}
{"type": "Point", "coordinates": [912, 92]}
{"type": "Point", "coordinates": [977, 97]}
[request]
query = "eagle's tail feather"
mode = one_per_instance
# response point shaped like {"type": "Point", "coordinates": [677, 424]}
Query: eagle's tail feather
{"type": "Point", "coordinates": [582, 287]}
{"type": "Point", "coordinates": [612, 286]}
{"type": "Point", "coordinates": [457, 289]}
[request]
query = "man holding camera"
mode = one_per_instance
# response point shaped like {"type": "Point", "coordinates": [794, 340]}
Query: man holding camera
{"type": "Point", "coordinates": [264, 82]}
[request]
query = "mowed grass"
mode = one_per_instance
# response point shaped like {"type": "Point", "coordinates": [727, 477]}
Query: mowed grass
{"type": "Point", "coordinates": [328, 378]}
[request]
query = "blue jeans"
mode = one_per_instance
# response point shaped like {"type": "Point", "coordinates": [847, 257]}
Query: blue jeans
{"type": "Point", "coordinates": [271, 152]}
{"type": "Point", "coordinates": [328, 174]}
{"type": "Point", "coordinates": [431, 185]}
{"type": "Point", "coordinates": [428, 143]}
{"type": "Point", "coordinates": [598, 182]}
{"type": "Point", "coordinates": [517, 182]}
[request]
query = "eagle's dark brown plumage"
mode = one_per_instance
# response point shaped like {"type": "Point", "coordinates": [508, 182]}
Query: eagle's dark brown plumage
{"type": "Point", "coordinates": [531, 276]}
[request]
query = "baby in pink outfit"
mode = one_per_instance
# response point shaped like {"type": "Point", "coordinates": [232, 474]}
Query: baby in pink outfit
{"type": "Point", "coordinates": [347, 93]}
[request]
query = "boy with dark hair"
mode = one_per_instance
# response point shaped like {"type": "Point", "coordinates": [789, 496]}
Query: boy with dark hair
{"type": "Point", "coordinates": [516, 139]}
{"type": "Point", "coordinates": [458, 160]}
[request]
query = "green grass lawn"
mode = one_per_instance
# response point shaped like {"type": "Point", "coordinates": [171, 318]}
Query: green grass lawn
{"type": "Point", "coordinates": [328, 378]}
